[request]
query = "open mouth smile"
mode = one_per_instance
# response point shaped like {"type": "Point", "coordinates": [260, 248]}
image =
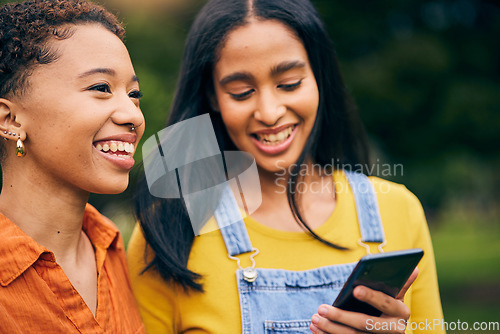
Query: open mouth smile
{"type": "Point", "coordinates": [118, 149]}
{"type": "Point", "coordinates": [272, 139]}
{"type": "Point", "coordinates": [115, 147]}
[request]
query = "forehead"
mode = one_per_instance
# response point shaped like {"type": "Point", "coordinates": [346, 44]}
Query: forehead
{"type": "Point", "coordinates": [258, 41]}
{"type": "Point", "coordinates": [89, 43]}
{"type": "Point", "coordinates": [89, 46]}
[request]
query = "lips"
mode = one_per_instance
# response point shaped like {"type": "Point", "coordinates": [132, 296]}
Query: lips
{"type": "Point", "coordinates": [275, 138]}
{"type": "Point", "coordinates": [118, 149]}
{"type": "Point", "coordinates": [274, 141]}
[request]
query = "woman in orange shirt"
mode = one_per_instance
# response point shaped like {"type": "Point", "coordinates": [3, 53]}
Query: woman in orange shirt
{"type": "Point", "coordinates": [70, 120]}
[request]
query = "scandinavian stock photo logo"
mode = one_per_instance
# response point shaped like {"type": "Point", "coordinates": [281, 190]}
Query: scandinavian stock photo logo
{"type": "Point", "coordinates": [184, 161]}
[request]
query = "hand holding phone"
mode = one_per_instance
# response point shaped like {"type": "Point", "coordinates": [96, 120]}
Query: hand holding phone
{"type": "Point", "coordinates": [385, 272]}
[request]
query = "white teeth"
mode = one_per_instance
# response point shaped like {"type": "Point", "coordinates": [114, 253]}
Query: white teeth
{"type": "Point", "coordinates": [129, 148]}
{"type": "Point", "coordinates": [122, 155]}
{"type": "Point", "coordinates": [274, 139]}
{"type": "Point", "coordinates": [116, 147]}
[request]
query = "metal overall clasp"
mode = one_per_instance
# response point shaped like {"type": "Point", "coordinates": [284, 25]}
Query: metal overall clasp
{"type": "Point", "coordinates": [249, 273]}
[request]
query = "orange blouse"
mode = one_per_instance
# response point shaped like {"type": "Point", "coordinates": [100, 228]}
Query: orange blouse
{"type": "Point", "coordinates": [37, 297]}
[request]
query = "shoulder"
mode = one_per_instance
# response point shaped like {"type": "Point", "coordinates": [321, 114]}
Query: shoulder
{"type": "Point", "coordinates": [400, 209]}
{"type": "Point", "coordinates": [394, 192]}
{"type": "Point", "coordinates": [386, 191]}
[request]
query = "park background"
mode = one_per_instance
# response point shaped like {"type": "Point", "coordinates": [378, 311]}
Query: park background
{"type": "Point", "coordinates": [425, 76]}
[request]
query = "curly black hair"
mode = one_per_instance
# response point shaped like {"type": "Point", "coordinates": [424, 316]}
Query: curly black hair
{"type": "Point", "coordinates": [27, 27]}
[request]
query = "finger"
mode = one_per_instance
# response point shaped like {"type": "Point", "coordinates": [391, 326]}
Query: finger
{"type": "Point", "coordinates": [316, 330]}
{"type": "Point", "coordinates": [333, 320]}
{"type": "Point", "coordinates": [409, 282]}
{"type": "Point", "coordinates": [382, 302]}
{"type": "Point", "coordinates": [327, 327]}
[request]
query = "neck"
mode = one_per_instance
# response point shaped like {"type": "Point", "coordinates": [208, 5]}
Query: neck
{"type": "Point", "coordinates": [315, 186]}
{"type": "Point", "coordinates": [277, 184]}
{"type": "Point", "coordinates": [49, 213]}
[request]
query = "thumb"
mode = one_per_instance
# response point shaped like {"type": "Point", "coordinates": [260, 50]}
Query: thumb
{"type": "Point", "coordinates": [410, 281]}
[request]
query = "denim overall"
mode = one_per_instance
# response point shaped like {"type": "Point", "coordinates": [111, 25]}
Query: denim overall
{"type": "Point", "coordinates": [283, 301]}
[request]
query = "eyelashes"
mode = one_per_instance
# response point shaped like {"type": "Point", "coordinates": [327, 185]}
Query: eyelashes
{"type": "Point", "coordinates": [286, 87]}
{"type": "Point", "coordinates": [105, 88]}
{"type": "Point", "coordinates": [242, 96]}
{"type": "Point", "coordinates": [290, 87]}
{"type": "Point", "coordinates": [136, 94]}
{"type": "Point", "coordinates": [102, 87]}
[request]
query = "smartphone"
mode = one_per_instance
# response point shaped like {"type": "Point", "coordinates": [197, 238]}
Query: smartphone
{"type": "Point", "coordinates": [386, 272]}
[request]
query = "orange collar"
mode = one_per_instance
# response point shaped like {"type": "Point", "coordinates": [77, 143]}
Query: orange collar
{"type": "Point", "coordinates": [18, 251]}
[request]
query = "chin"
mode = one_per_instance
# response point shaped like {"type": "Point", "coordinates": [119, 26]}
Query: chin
{"type": "Point", "coordinates": [273, 167]}
{"type": "Point", "coordinates": [111, 188]}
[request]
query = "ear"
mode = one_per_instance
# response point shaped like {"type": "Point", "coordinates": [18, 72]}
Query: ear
{"type": "Point", "coordinates": [9, 128]}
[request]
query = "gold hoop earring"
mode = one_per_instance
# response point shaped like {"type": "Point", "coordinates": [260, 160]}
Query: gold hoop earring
{"type": "Point", "coordinates": [20, 150]}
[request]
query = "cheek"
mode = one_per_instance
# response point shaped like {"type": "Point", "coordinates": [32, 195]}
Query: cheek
{"type": "Point", "coordinates": [307, 104]}
{"type": "Point", "coordinates": [234, 115]}
{"type": "Point", "coordinates": [233, 124]}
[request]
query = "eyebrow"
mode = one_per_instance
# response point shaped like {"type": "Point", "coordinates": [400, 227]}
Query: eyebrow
{"type": "Point", "coordinates": [107, 71]}
{"type": "Point", "coordinates": [237, 76]}
{"type": "Point", "coordinates": [278, 69]}
{"type": "Point", "coordinates": [287, 66]}
{"type": "Point", "coordinates": [97, 70]}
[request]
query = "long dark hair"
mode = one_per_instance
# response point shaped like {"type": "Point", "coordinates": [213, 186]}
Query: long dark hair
{"type": "Point", "coordinates": [337, 135]}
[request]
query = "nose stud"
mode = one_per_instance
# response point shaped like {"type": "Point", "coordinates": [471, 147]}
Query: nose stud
{"type": "Point", "coordinates": [132, 128]}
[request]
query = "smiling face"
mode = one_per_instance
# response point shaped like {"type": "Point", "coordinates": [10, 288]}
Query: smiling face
{"type": "Point", "coordinates": [266, 93]}
{"type": "Point", "coordinates": [77, 114]}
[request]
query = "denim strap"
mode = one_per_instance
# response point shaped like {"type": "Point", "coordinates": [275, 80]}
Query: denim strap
{"type": "Point", "coordinates": [232, 226]}
{"type": "Point", "coordinates": [365, 198]}
{"type": "Point", "coordinates": [236, 237]}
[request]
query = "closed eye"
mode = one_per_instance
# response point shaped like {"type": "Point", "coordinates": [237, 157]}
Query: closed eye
{"type": "Point", "coordinates": [102, 87]}
{"type": "Point", "coordinates": [242, 96]}
{"type": "Point", "coordinates": [136, 94]}
{"type": "Point", "coordinates": [290, 87]}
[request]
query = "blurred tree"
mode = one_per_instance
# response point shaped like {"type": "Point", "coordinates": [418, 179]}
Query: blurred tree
{"type": "Point", "coordinates": [425, 76]}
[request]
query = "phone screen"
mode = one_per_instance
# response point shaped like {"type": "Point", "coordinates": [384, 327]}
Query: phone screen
{"type": "Point", "coordinates": [386, 272]}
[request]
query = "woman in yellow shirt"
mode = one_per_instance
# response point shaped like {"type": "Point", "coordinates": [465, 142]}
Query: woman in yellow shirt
{"type": "Point", "coordinates": [265, 72]}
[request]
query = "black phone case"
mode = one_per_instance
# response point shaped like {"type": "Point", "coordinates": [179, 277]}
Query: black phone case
{"type": "Point", "coordinates": [386, 272]}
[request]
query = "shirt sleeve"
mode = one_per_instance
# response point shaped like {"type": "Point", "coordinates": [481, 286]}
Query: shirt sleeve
{"type": "Point", "coordinates": [155, 298]}
{"type": "Point", "coordinates": [426, 311]}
